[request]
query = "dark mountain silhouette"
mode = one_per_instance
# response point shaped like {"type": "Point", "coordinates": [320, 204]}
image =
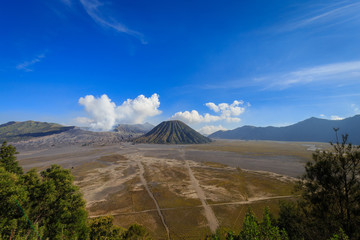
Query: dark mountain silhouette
{"type": "Point", "coordinates": [172, 132]}
{"type": "Point", "coordinates": [309, 130]}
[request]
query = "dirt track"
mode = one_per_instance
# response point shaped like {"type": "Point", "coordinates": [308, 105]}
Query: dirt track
{"type": "Point", "coordinates": [162, 187]}
{"type": "Point", "coordinates": [210, 216]}
{"type": "Point", "coordinates": [144, 182]}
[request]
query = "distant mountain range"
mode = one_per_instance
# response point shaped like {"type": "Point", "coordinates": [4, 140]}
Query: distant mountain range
{"type": "Point", "coordinates": [172, 132]}
{"type": "Point", "coordinates": [35, 134]}
{"type": "Point", "coordinates": [176, 132]}
{"type": "Point", "coordinates": [133, 129]}
{"type": "Point", "coordinates": [309, 130]}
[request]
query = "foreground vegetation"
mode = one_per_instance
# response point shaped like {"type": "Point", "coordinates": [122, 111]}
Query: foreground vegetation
{"type": "Point", "coordinates": [329, 206]}
{"type": "Point", "coordinates": [49, 206]}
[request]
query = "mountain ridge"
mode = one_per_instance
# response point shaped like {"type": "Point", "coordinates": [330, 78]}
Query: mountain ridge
{"type": "Point", "coordinates": [309, 130]}
{"type": "Point", "coordinates": [134, 129]}
{"type": "Point", "coordinates": [17, 131]}
{"type": "Point", "coordinates": [34, 134]}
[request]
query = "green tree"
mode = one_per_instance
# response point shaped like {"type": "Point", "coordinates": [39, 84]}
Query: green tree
{"type": "Point", "coordinates": [331, 191]}
{"type": "Point", "coordinates": [293, 220]}
{"type": "Point", "coordinates": [253, 230]}
{"type": "Point", "coordinates": [11, 218]}
{"type": "Point", "coordinates": [59, 204]}
{"type": "Point", "coordinates": [48, 205]}
{"type": "Point", "coordinates": [136, 232]}
{"type": "Point", "coordinates": [102, 228]}
{"type": "Point", "coordinates": [8, 159]}
{"type": "Point", "coordinates": [340, 236]}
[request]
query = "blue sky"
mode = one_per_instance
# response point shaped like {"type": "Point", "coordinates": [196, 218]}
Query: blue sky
{"type": "Point", "coordinates": [240, 62]}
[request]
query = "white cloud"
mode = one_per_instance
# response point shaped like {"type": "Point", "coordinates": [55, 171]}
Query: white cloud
{"type": "Point", "coordinates": [195, 117]}
{"type": "Point", "coordinates": [335, 117]}
{"type": "Point", "coordinates": [92, 7]}
{"type": "Point", "coordinates": [227, 112]}
{"type": "Point", "coordinates": [332, 14]}
{"type": "Point", "coordinates": [209, 129]}
{"type": "Point", "coordinates": [26, 65]}
{"type": "Point", "coordinates": [338, 74]}
{"type": "Point", "coordinates": [104, 114]}
{"type": "Point", "coordinates": [337, 71]}
{"type": "Point", "coordinates": [212, 106]}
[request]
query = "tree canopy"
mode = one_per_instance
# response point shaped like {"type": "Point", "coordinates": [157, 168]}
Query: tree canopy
{"type": "Point", "coordinates": [49, 206]}
{"type": "Point", "coordinates": [330, 196]}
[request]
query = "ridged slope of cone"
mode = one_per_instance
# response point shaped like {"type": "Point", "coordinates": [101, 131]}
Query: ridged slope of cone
{"type": "Point", "coordinates": [173, 132]}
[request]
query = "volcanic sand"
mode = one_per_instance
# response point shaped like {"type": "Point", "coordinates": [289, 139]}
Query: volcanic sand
{"type": "Point", "coordinates": [179, 192]}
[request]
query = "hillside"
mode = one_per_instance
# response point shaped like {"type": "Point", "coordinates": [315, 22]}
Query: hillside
{"type": "Point", "coordinates": [309, 130]}
{"type": "Point", "coordinates": [17, 131]}
{"type": "Point", "coordinates": [173, 132]}
{"type": "Point", "coordinates": [75, 136]}
{"type": "Point", "coordinates": [135, 130]}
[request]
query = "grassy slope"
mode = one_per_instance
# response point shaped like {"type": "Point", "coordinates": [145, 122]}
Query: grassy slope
{"type": "Point", "coordinates": [17, 131]}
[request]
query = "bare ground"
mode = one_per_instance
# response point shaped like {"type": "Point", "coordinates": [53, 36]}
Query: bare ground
{"type": "Point", "coordinates": [172, 190]}
{"type": "Point", "coordinates": [141, 167]}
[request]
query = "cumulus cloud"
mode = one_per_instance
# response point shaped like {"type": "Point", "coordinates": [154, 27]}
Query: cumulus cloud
{"type": "Point", "coordinates": [225, 111]}
{"type": "Point", "coordinates": [209, 129]}
{"type": "Point", "coordinates": [104, 114]}
{"type": "Point", "coordinates": [212, 106]}
{"type": "Point", "coordinates": [195, 117]}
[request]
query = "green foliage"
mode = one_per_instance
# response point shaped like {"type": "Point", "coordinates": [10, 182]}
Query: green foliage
{"type": "Point", "coordinates": [340, 236]}
{"type": "Point", "coordinates": [136, 232]}
{"type": "Point", "coordinates": [8, 159]}
{"type": "Point", "coordinates": [60, 205]}
{"type": "Point", "coordinates": [292, 219]}
{"type": "Point", "coordinates": [49, 206]}
{"type": "Point", "coordinates": [330, 196]}
{"type": "Point", "coordinates": [254, 230]}
{"type": "Point", "coordinates": [50, 201]}
{"type": "Point", "coordinates": [251, 228]}
{"type": "Point", "coordinates": [102, 228]}
{"type": "Point", "coordinates": [10, 191]}
{"type": "Point", "coordinates": [331, 190]}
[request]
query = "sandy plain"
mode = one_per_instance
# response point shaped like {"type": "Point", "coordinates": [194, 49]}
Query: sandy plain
{"type": "Point", "coordinates": [179, 191]}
